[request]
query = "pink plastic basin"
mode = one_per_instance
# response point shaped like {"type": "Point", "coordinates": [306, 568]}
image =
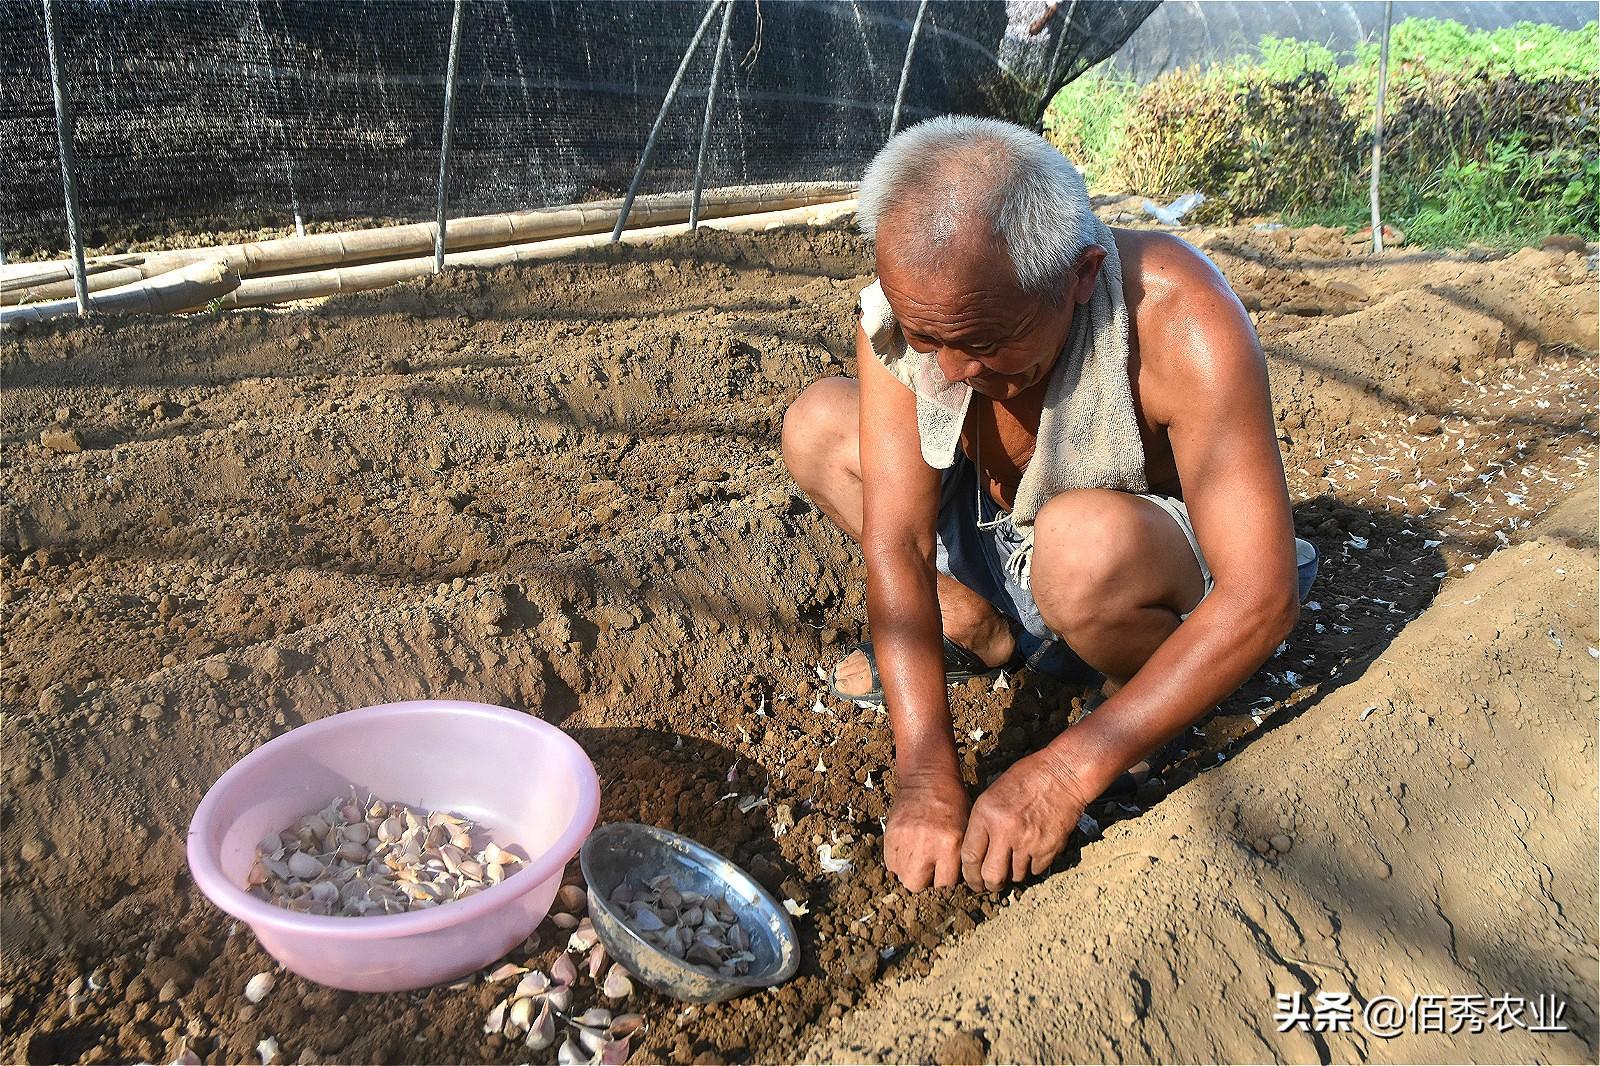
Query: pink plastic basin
{"type": "Point", "coordinates": [526, 782]}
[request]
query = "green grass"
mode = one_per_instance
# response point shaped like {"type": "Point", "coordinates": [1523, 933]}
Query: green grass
{"type": "Point", "coordinates": [1530, 50]}
{"type": "Point", "coordinates": [1493, 135]}
{"type": "Point", "coordinates": [1511, 197]}
{"type": "Point", "coordinates": [1085, 119]}
{"type": "Point", "coordinates": [1421, 49]}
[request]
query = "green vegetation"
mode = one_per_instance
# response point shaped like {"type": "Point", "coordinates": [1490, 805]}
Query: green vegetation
{"type": "Point", "coordinates": [1491, 136]}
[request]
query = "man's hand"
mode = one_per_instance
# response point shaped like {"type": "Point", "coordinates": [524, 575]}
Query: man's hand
{"type": "Point", "coordinates": [922, 844]}
{"type": "Point", "coordinates": [1021, 821]}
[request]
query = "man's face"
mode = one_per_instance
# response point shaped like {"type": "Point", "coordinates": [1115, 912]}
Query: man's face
{"type": "Point", "coordinates": [968, 309]}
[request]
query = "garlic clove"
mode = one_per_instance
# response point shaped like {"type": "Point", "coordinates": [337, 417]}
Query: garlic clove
{"type": "Point", "coordinates": [532, 984]}
{"type": "Point", "coordinates": [595, 1018]}
{"type": "Point", "coordinates": [520, 1016]}
{"type": "Point", "coordinates": [302, 865]}
{"type": "Point", "coordinates": [256, 989]}
{"type": "Point", "coordinates": [572, 899]}
{"type": "Point", "coordinates": [559, 997]}
{"type": "Point", "coordinates": [562, 971]}
{"type": "Point", "coordinates": [542, 1033]}
{"type": "Point", "coordinates": [617, 984]}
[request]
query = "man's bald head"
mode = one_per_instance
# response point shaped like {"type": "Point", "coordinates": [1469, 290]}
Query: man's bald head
{"type": "Point", "coordinates": [961, 186]}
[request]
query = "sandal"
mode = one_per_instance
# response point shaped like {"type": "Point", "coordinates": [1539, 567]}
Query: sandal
{"type": "Point", "coordinates": [960, 664]}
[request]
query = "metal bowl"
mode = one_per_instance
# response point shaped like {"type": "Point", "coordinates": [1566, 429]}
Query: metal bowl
{"type": "Point", "coordinates": [615, 851]}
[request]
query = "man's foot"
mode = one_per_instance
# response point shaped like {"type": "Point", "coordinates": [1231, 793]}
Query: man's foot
{"type": "Point", "coordinates": [856, 677]}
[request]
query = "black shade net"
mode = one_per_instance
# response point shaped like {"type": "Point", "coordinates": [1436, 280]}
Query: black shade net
{"type": "Point", "coordinates": [236, 114]}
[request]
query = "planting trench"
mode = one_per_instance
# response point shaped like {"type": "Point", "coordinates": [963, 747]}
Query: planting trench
{"type": "Point", "coordinates": [557, 487]}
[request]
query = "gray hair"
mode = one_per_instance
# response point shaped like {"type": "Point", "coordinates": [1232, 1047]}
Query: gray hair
{"type": "Point", "coordinates": [938, 172]}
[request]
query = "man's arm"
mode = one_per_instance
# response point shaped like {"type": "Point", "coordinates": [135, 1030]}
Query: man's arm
{"type": "Point", "coordinates": [1224, 443]}
{"type": "Point", "coordinates": [900, 493]}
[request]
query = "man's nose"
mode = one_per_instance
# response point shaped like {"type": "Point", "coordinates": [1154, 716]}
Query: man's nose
{"type": "Point", "coordinates": [958, 366]}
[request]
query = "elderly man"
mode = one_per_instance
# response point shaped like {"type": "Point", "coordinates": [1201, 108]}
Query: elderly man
{"type": "Point", "coordinates": [1061, 438]}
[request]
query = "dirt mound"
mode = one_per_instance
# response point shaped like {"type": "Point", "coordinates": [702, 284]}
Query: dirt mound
{"type": "Point", "coordinates": [557, 487]}
{"type": "Point", "coordinates": [1427, 830]}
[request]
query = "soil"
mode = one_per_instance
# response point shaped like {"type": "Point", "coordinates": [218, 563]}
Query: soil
{"type": "Point", "coordinates": [557, 487]}
{"type": "Point", "coordinates": [1428, 829]}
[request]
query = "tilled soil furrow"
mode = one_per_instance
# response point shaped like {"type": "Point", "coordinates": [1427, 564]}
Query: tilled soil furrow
{"type": "Point", "coordinates": [556, 487]}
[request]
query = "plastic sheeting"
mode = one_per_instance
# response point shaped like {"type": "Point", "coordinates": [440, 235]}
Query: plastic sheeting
{"type": "Point", "coordinates": [199, 115]}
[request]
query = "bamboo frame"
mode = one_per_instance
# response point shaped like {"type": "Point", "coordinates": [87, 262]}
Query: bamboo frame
{"type": "Point", "coordinates": [183, 289]}
{"type": "Point", "coordinates": [193, 285]}
{"type": "Point", "coordinates": [661, 119]}
{"type": "Point", "coordinates": [1377, 129]}
{"type": "Point", "coordinates": [49, 281]}
{"type": "Point", "coordinates": [255, 292]}
{"type": "Point", "coordinates": [471, 232]}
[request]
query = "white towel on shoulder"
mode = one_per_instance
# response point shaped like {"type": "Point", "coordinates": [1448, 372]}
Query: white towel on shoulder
{"type": "Point", "coordinates": [1088, 431]}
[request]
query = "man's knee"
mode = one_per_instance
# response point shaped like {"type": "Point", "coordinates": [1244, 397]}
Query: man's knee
{"type": "Point", "coordinates": [1082, 554]}
{"type": "Point", "coordinates": [821, 420]}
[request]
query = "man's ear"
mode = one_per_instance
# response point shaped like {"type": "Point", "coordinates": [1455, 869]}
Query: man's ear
{"type": "Point", "coordinates": [1087, 271]}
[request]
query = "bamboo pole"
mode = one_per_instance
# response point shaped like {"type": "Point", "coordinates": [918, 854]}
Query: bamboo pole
{"type": "Point", "coordinates": [98, 281]}
{"type": "Point", "coordinates": [49, 281]}
{"type": "Point", "coordinates": [449, 131]}
{"type": "Point", "coordinates": [69, 180]}
{"type": "Point", "coordinates": [183, 289]}
{"type": "Point", "coordinates": [194, 285]}
{"type": "Point", "coordinates": [905, 68]}
{"type": "Point", "coordinates": [661, 119]}
{"type": "Point", "coordinates": [478, 231]}
{"type": "Point", "coordinates": [711, 106]}
{"type": "Point", "coordinates": [255, 292]}
{"type": "Point", "coordinates": [1377, 127]}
